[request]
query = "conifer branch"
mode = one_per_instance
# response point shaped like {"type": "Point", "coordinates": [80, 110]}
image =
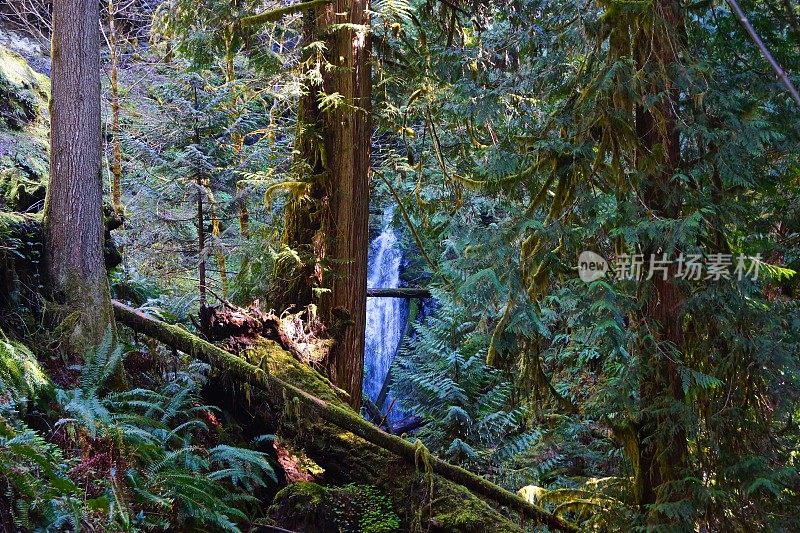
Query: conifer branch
{"type": "Point", "coordinates": [275, 14]}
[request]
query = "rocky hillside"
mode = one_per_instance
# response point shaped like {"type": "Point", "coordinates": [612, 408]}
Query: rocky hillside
{"type": "Point", "coordinates": [23, 133]}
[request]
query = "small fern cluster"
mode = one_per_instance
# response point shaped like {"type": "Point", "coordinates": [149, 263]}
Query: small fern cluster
{"type": "Point", "coordinates": [21, 377]}
{"type": "Point", "coordinates": [158, 461]}
{"type": "Point", "coordinates": [147, 458]}
{"type": "Point", "coordinates": [34, 485]}
{"type": "Point", "coordinates": [363, 508]}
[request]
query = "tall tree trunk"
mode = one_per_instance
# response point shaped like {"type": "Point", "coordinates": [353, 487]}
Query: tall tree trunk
{"type": "Point", "coordinates": [73, 208]}
{"type": "Point", "coordinates": [116, 161]}
{"type": "Point", "coordinates": [347, 225]}
{"type": "Point", "coordinates": [662, 445]}
{"type": "Point", "coordinates": [329, 222]}
{"type": "Point", "coordinates": [200, 183]}
{"type": "Point", "coordinates": [232, 41]}
{"type": "Point", "coordinates": [218, 252]}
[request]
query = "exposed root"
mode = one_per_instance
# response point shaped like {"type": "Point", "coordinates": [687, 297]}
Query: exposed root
{"type": "Point", "coordinates": [301, 334]}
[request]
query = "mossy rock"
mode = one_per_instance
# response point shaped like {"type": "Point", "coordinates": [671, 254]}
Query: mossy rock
{"type": "Point", "coordinates": [19, 91]}
{"type": "Point", "coordinates": [24, 127]}
{"type": "Point", "coordinates": [20, 191]}
{"type": "Point", "coordinates": [352, 508]}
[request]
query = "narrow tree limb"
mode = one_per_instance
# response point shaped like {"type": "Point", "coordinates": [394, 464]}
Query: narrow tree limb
{"type": "Point", "coordinates": [455, 7]}
{"type": "Point", "coordinates": [765, 51]}
{"type": "Point", "coordinates": [276, 14]}
{"type": "Point", "coordinates": [408, 424]}
{"type": "Point", "coordinates": [400, 292]}
{"type": "Point", "coordinates": [341, 417]}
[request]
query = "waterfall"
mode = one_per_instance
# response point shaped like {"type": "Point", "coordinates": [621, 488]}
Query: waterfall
{"type": "Point", "coordinates": [386, 317]}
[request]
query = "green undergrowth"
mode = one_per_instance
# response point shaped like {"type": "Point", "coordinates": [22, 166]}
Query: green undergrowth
{"type": "Point", "coordinates": [350, 508]}
{"type": "Point", "coordinates": [420, 498]}
{"type": "Point", "coordinates": [21, 376]}
{"type": "Point", "coordinates": [132, 460]}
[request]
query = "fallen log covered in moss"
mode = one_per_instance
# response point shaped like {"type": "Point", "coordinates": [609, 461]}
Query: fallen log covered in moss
{"type": "Point", "coordinates": [362, 451]}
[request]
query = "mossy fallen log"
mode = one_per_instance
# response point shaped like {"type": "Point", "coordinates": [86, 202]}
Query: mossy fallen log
{"type": "Point", "coordinates": [361, 448]}
{"type": "Point", "coordinates": [277, 13]}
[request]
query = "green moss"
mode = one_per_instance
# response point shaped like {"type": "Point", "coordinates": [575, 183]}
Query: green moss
{"type": "Point", "coordinates": [302, 507]}
{"type": "Point", "coordinates": [351, 508]}
{"type": "Point", "coordinates": [465, 513]}
{"type": "Point", "coordinates": [278, 362]}
{"type": "Point", "coordinates": [451, 507]}
{"type": "Point", "coordinates": [24, 92]}
{"type": "Point", "coordinates": [16, 71]}
{"type": "Point", "coordinates": [313, 493]}
{"type": "Point", "coordinates": [8, 221]}
{"type": "Point", "coordinates": [347, 457]}
{"type": "Point", "coordinates": [24, 131]}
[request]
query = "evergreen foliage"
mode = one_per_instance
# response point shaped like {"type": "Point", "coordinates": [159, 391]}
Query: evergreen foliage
{"type": "Point", "coordinates": [515, 150]}
{"type": "Point", "coordinates": [467, 406]}
{"type": "Point", "coordinates": [144, 463]}
{"type": "Point", "coordinates": [511, 136]}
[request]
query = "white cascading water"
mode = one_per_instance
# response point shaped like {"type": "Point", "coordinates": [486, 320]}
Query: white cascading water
{"type": "Point", "coordinates": [386, 317]}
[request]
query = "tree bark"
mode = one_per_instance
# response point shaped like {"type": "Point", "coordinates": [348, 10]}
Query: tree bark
{"type": "Point", "coordinates": [348, 191]}
{"type": "Point", "coordinates": [74, 204]}
{"type": "Point", "coordinates": [328, 224]}
{"type": "Point", "coordinates": [200, 183]}
{"type": "Point", "coordinates": [219, 254]}
{"type": "Point", "coordinates": [661, 441]}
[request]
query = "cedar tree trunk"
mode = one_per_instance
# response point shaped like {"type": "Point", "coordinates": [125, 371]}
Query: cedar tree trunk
{"type": "Point", "coordinates": [328, 221]}
{"type": "Point", "coordinates": [661, 440]}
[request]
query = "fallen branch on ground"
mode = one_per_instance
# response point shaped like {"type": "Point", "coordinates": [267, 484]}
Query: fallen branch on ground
{"type": "Point", "coordinates": [340, 416]}
{"type": "Point", "coordinates": [400, 292]}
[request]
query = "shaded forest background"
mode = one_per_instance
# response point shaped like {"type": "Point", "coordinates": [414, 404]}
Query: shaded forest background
{"type": "Point", "coordinates": [250, 152]}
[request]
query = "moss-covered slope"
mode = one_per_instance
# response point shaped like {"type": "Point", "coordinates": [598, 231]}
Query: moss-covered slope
{"type": "Point", "coordinates": [24, 125]}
